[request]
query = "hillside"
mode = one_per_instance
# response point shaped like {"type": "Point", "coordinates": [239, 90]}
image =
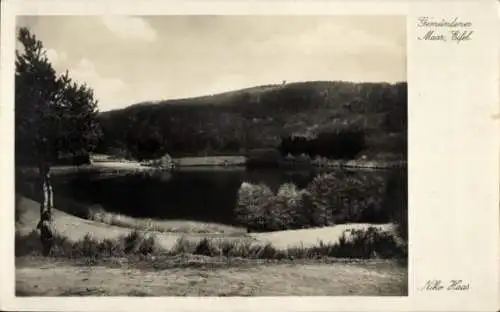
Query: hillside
{"type": "Point", "coordinates": [233, 123]}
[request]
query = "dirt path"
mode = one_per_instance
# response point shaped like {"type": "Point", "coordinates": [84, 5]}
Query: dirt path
{"type": "Point", "coordinates": [63, 279]}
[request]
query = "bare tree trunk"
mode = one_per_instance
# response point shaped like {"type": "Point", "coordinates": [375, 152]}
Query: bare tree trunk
{"type": "Point", "coordinates": [46, 188]}
{"type": "Point", "coordinates": [46, 221]}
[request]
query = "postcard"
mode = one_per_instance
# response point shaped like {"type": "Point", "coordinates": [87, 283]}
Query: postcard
{"type": "Point", "coordinates": [250, 155]}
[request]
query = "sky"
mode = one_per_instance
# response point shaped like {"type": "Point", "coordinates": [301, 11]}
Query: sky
{"type": "Point", "coordinates": [131, 59]}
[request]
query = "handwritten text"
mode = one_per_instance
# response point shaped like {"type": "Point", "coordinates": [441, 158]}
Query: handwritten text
{"type": "Point", "coordinates": [444, 30]}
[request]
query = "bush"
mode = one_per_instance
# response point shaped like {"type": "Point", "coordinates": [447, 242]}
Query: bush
{"type": "Point", "coordinates": [27, 244]}
{"type": "Point", "coordinates": [236, 248]}
{"type": "Point", "coordinates": [165, 162]}
{"type": "Point", "coordinates": [134, 243]}
{"type": "Point", "coordinates": [206, 247]}
{"type": "Point", "coordinates": [87, 247]}
{"type": "Point", "coordinates": [259, 209]}
{"type": "Point", "coordinates": [340, 197]}
{"type": "Point", "coordinates": [252, 206]}
{"type": "Point", "coordinates": [138, 243]}
{"type": "Point", "coordinates": [359, 244]}
{"type": "Point", "coordinates": [370, 243]}
{"type": "Point", "coordinates": [331, 198]}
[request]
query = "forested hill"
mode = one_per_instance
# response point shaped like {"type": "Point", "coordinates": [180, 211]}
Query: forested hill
{"type": "Point", "coordinates": [262, 117]}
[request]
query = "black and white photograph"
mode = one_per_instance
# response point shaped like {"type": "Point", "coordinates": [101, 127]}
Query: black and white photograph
{"type": "Point", "coordinates": [211, 155]}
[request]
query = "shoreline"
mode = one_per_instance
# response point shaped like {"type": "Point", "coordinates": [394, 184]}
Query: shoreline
{"type": "Point", "coordinates": [227, 162]}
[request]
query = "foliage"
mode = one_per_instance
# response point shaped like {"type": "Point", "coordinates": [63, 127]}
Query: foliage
{"type": "Point", "coordinates": [356, 116]}
{"type": "Point", "coordinates": [343, 144]}
{"type": "Point", "coordinates": [330, 198]}
{"type": "Point", "coordinates": [341, 196]}
{"type": "Point", "coordinates": [253, 204]}
{"type": "Point", "coordinates": [54, 114]}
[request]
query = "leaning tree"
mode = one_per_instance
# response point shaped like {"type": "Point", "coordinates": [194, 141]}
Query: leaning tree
{"type": "Point", "coordinates": [54, 116]}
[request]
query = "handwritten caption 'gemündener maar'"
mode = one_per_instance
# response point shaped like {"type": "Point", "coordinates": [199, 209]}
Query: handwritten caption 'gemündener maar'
{"type": "Point", "coordinates": [444, 30]}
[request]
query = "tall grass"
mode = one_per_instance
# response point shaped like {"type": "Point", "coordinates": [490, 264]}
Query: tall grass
{"type": "Point", "coordinates": [134, 243]}
{"type": "Point", "coordinates": [98, 214]}
{"type": "Point", "coordinates": [355, 244]}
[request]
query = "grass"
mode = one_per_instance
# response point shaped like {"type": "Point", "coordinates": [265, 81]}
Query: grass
{"type": "Point", "coordinates": [201, 276]}
{"type": "Point", "coordinates": [135, 243]}
{"type": "Point", "coordinates": [366, 263]}
{"type": "Point", "coordinates": [358, 244]}
{"type": "Point", "coordinates": [98, 214]}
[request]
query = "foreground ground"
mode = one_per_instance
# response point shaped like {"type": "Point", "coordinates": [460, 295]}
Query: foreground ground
{"type": "Point", "coordinates": [204, 277]}
{"type": "Point", "coordinates": [185, 275]}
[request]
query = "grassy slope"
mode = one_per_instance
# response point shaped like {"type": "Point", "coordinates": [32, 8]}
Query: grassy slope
{"type": "Point", "coordinates": [203, 276]}
{"type": "Point", "coordinates": [75, 228]}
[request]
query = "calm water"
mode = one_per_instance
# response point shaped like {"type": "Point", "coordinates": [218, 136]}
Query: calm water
{"type": "Point", "coordinates": [195, 194]}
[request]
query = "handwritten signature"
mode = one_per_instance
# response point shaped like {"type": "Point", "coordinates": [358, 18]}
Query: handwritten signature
{"type": "Point", "coordinates": [440, 285]}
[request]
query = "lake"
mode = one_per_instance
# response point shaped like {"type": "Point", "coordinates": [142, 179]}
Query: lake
{"type": "Point", "coordinates": [198, 194]}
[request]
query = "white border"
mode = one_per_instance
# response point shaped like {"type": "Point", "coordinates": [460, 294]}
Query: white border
{"type": "Point", "coordinates": [453, 157]}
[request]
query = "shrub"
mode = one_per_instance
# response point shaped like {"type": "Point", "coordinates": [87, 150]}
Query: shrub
{"type": "Point", "coordinates": [253, 203]}
{"type": "Point", "coordinates": [369, 243]}
{"type": "Point", "coordinates": [27, 244]}
{"type": "Point", "coordinates": [340, 197]}
{"type": "Point", "coordinates": [330, 198]}
{"type": "Point", "coordinates": [184, 245]}
{"type": "Point", "coordinates": [236, 248]}
{"type": "Point", "coordinates": [111, 248]}
{"type": "Point", "coordinates": [138, 243]}
{"type": "Point", "coordinates": [87, 247]}
{"type": "Point", "coordinates": [260, 210]}
{"type": "Point", "coordinates": [207, 248]}
{"type": "Point", "coordinates": [268, 251]}
{"type": "Point", "coordinates": [358, 244]}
